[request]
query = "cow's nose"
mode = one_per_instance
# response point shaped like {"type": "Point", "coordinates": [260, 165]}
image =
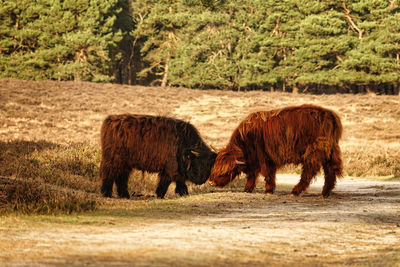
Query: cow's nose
{"type": "Point", "coordinates": [212, 183]}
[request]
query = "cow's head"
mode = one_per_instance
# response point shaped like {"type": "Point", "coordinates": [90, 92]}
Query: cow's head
{"type": "Point", "coordinates": [227, 166]}
{"type": "Point", "coordinates": [199, 164]}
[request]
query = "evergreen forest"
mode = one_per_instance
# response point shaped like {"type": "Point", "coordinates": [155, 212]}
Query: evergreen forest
{"type": "Point", "coordinates": [304, 46]}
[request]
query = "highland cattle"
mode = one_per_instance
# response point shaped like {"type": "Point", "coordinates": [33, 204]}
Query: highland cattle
{"type": "Point", "coordinates": [167, 146]}
{"type": "Point", "coordinates": [267, 140]}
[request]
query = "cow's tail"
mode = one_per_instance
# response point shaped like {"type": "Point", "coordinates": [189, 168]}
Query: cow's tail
{"type": "Point", "coordinates": [337, 127]}
{"type": "Point", "coordinates": [335, 160]}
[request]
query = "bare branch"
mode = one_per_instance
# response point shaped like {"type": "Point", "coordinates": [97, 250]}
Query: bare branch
{"type": "Point", "coordinates": [276, 29]}
{"type": "Point", "coordinates": [352, 24]}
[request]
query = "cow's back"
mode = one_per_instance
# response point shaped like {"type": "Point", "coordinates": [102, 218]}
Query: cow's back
{"type": "Point", "coordinates": [143, 142]}
{"type": "Point", "coordinates": [286, 134]}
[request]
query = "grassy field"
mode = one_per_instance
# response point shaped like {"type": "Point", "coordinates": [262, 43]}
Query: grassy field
{"type": "Point", "coordinates": [50, 130]}
{"type": "Point", "coordinates": [49, 160]}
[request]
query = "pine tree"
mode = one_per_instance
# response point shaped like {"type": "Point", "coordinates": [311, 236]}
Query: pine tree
{"type": "Point", "coordinates": [374, 61]}
{"type": "Point", "coordinates": [239, 45]}
{"type": "Point", "coordinates": [155, 29]}
{"type": "Point", "coordinates": [58, 39]}
{"type": "Point", "coordinates": [323, 41]}
{"type": "Point", "coordinates": [289, 45]}
{"type": "Point", "coordinates": [205, 56]}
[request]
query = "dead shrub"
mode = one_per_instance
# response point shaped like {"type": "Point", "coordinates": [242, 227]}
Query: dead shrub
{"type": "Point", "coordinates": [74, 166]}
{"type": "Point", "coordinates": [30, 197]}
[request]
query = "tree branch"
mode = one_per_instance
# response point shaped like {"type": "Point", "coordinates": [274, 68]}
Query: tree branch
{"type": "Point", "coordinates": [352, 24]}
{"type": "Point", "coordinates": [276, 29]}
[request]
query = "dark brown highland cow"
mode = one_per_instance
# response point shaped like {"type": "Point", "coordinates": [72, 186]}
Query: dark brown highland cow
{"type": "Point", "coordinates": [171, 147]}
{"type": "Point", "coordinates": [268, 140]}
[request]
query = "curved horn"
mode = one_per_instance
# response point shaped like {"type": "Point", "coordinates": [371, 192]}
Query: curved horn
{"type": "Point", "coordinates": [213, 148]}
{"type": "Point", "coordinates": [240, 162]}
{"type": "Point", "coordinates": [195, 153]}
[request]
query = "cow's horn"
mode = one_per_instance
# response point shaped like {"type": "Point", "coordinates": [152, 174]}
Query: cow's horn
{"type": "Point", "coordinates": [213, 148]}
{"type": "Point", "coordinates": [195, 153]}
{"type": "Point", "coordinates": [240, 162]}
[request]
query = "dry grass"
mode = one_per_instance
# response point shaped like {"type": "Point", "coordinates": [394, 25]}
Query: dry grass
{"type": "Point", "coordinates": [27, 196]}
{"type": "Point", "coordinates": [49, 131]}
{"type": "Point", "coordinates": [51, 179]}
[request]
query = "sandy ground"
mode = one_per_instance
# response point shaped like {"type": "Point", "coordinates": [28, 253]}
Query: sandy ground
{"type": "Point", "coordinates": [358, 225]}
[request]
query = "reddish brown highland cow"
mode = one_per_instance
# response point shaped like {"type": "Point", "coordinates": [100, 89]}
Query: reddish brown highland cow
{"type": "Point", "coordinates": [267, 140]}
{"type": "Point", "coordinates": [170, 147]}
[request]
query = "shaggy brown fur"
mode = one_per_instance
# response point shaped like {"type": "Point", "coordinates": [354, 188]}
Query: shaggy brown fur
{"type": "Point", "coordinates": [267, 140]}
{"type": "Point", "coordinates": [171, 147]}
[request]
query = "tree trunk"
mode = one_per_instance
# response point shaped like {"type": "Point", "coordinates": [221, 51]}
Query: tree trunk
{"type": "Point", "coordinates": [171, 37]}
{"type": "Point", "coordinates": [165, 77]}
{"type": "Point", "coordinates": [295, 89]}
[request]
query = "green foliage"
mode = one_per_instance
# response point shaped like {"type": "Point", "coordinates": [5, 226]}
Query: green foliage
{"type": "Point", "coordinates": [64, 40]}
{"type": "Point", "coordinates": [289, 44]}
{"type": "Point", "coordinates": [314, 46]}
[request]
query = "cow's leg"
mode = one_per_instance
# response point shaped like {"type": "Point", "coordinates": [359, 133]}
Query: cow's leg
{"type": "Point", "coordinates": [163, 185]}
{"type": "Point", "coordinates": [181, 188]}
{"type": "Point", "coordinates": [332, 168]}
{"type": "Point", "coordinates": [107, 179]}
{"type": "Point", "coordinates": [121, 182]}
{"type": "Point", "coordinates": [269, 172]}
{"type": "Point", "coordinates": [251, 181]}
{"type": "Point", "coordinates": [107, 186]}
{"type": "Point", "coordinates": [330, 180]}
{"type": "Point", "coordinates": [308, 172]}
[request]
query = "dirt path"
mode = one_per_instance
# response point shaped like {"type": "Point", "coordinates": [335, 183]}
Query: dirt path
{"type": "Point", "coordinates": [358, 225]}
